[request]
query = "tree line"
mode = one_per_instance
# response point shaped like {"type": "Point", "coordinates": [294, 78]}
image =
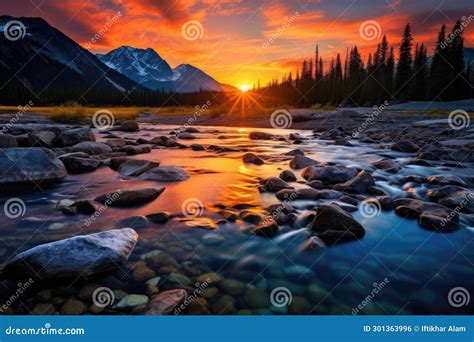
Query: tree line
{"type": "Point", "coordinates": [413, 77]}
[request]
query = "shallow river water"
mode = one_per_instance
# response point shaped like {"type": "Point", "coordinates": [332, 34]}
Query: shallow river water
{"type": "Point", "coordinates": [396, 268]}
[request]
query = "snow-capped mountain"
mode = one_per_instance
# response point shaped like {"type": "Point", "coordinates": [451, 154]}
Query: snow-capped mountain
{"type": "Point", "coordinates": [45, 61]}
{"type": "Point", "coordinates": [147, 68]}
{"type": "Point", "coordinates": [143, 66]}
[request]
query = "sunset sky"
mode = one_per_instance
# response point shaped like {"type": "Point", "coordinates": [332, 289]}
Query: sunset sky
{"type": "Point", "coordinates": [235, 46]}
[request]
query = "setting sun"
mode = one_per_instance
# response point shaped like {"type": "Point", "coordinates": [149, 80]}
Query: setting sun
{"type": "Point", "coordinates": [244, 88]}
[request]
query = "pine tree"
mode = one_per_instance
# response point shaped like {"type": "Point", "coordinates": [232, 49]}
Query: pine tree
{"type": "Point", "coordinates": [420, 73]}
{"type": "Point", "coordinates": [440, 69]}
{"type": "Point", "coordinates": [402, 81]}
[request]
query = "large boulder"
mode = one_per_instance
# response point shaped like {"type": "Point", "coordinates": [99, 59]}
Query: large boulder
{"type": "Point", "coordinates": [405, 146]}
{"type": "Point", "coordinates": [329, 174]}
{"type": "Point", "coordinates": [332, 224]}
{"type": "Point", "coordinates": [135, 167]}
{"type": "Point", "coordinates": [165, 174]}
{"type": "Point", "coordinates": [41, 139]}
{"type": "Point", "coordinates": [77, 256]}
{"type": "Point", "coordinates": [362, 183]}
{"type": "Point", "coordinates": [80, 165]}
{"type": "Point", "coordinates": [29, 165]}
{"type": "Point", "coordinates": [92, 147]}
{"type": "Point", "coordinates": [121, 198]}
{"type": "Point", "coordinates": [129, 126]}
{"type": "Point", "coordinates": [74, 136]}
{"type": "Point", "coordinates": [260, 136]}
{"type": "Point", "coordinates": [300, 162]}
{"type": "Point", "coordinates": [274, 184]}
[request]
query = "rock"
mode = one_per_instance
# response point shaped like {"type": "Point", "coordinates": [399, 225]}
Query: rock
{"type": "Point", "coordinates": [116, 162]}
{"type": "Point", "coordinates": [199, 306]}
{"type": "Point", "coordinates": [232, 287]}
{"type": "Point", "coordinates": [84, 207]}
{"type": "Point", "coordinates": [257, 298]}
{"type": "Point", "coordinates": [135, 222]}
{"type": "Point", "coordinates": [132, 301]}
{"type": "Point", "coordinates": [73, 307]}
{"type": "Point", "coordinates": [316, 184]}
{"type": "Point", "coordinates": [43, 309]}
{"type": "Point", "coordinates": [299, 273]}
{"type": "Point", "coordinates": [250, 217]}
{"type": "Point", "coordinates": [186, 136]}
{"type": "Point", "coordinates": [197, 147]}
{"type": "Point", "coordinates": [405, 146]}
{"type": "Point", "coordinates": [7, 141]}
{"type": "Point", "coordinates": [362, 183]}
{"type": "Point", "coordinates": [135, 167]}
{"type": "Point", "coordinates": [300, 306]}
{"type": "Point", "coordinates": [209, 292]}
{"type": "Point", "coordinates": [87, 291]}
{"type": "Point", "coordinates": [260, 136]}
{"type": "Point", "coordinates": [266, 229]}
{"type": "Point", "coordinates": [41, 139]}
{"type": "Point", "coordinates": [295, 152]}
{"type": "Point", "coordinates": [152, 285]}
{"type": "Point", "coordinates": [431, 215]}
{"type": "Point", "coordinates": [74, 136]}
{"type": "Point", "coordinates": [288, 176]}
{"type": "Point", "coordinates": [129, 126]}
{"type": "Point", "coordinates": [143, 273]}
{"type": "Point", "coordinates": [159, 218]}
{"type": "Point", "coordinates": [274, 184]}
{"type": "Point", "coordinates": [92, 147]}
{"type": "Point", "coordinates": [225, 305]}
{"type": "Point", "coordinates": [437, 223]}
{"type": "Point", "coordinates": [81, 165]}
{"type": "Point", "coordinates": [313, 244]}
{"type": "Point", "coordinates": [165, 174]}
{"type": "Point", "coordinates": [446, 180]}
{"type": "Point", "coordinates": [209, 278]}
{"type": "Point", "coordinates": [291, 195]}
{"type": "Point", "coordinates": [329, 174]}
{"type": "Point", "coordinates": [130, 197]}
{"type": "Point", "coordinates": [251, 158]}
{"type": "Point", "coordinates": [114, 143]}
{"type": "Point", "coordinates": [82, 255]}
{"type": "Point", "coordinates": [300, 162]}
{"type": "Point", "coordinates": [388, 165]}
{"type": "Point", "coordinates": [30, 165]}
{"type": "Point", "coordinates": [133, 150]}
{"type": "Point", "coordinates": [166, 302]}
{"type": "Point", "coordinates": [332, 224]}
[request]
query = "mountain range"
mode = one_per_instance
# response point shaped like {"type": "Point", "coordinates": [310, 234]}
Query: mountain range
{"type": "Point", "coordinates": [148, 68]}
{"type": "Point", "coordinates": [46, 61]}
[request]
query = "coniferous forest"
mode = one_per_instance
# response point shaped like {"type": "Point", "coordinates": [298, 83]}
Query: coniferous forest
{"type": "Point", "coordinates": [393, 73]}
